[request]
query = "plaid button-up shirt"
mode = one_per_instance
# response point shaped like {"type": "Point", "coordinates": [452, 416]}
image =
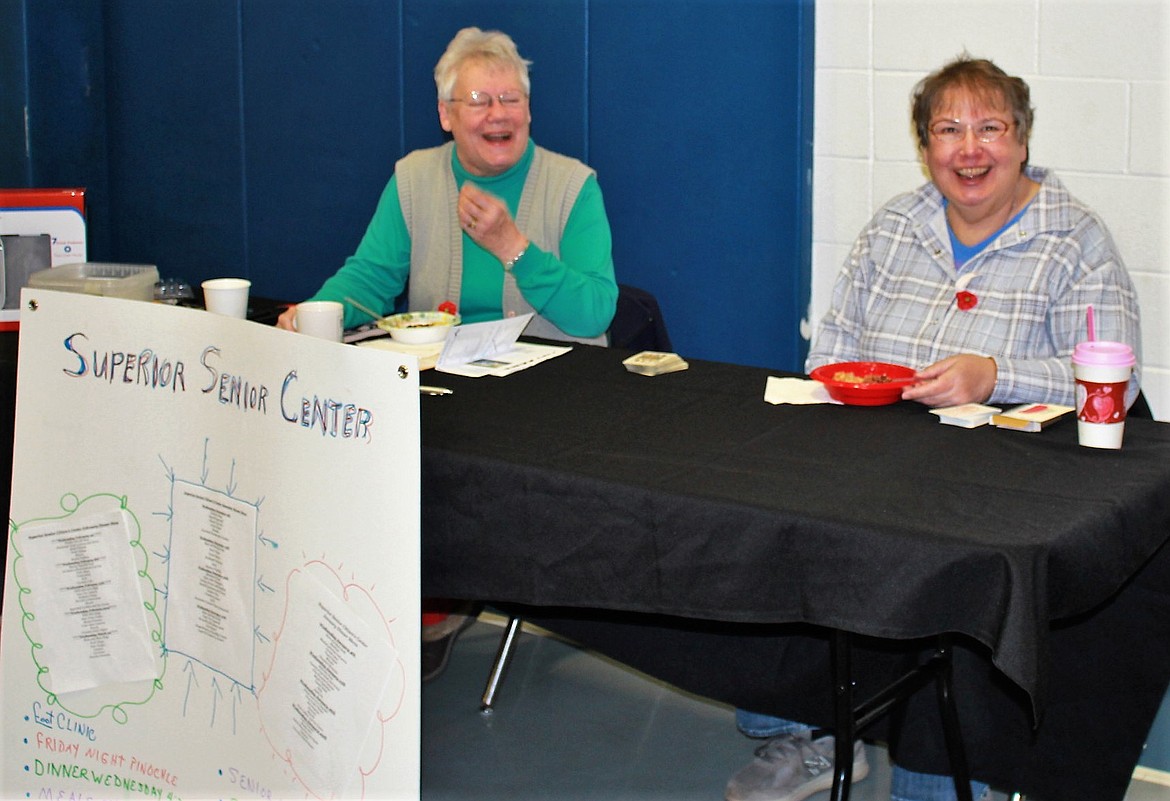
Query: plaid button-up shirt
{"type": "Point", "coordinates": [895, 299]}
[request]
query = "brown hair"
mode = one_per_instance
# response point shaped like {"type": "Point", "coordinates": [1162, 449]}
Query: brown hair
{"type": "Point", "coordinates": [984, 81]}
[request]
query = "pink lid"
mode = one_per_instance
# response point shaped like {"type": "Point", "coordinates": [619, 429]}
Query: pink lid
{"type": "Point", "coordinates": [1113, 354]}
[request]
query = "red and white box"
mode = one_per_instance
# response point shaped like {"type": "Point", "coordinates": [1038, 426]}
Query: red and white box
{"type": "Point", "coordinates": [58, 213]}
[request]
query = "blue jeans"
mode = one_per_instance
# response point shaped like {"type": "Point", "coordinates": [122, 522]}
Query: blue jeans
{"type": "Point", "coordinates": [905, 785]}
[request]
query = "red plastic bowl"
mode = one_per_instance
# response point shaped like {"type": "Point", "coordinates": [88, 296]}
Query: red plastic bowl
{"type": "Point", "coordinates": [879, 392]}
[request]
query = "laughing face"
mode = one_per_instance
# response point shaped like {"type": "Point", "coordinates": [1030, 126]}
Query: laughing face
{"type": "Point", "coordinates": [978, 178]}
{"type": "Point", "coordinates": [490, 140]}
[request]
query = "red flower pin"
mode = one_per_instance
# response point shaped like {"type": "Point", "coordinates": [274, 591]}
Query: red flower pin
{"type": "Point", "coordinates": [966, 300]}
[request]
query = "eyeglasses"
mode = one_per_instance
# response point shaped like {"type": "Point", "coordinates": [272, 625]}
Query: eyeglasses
{"type": "Point", "coordinates": [952, 131]}
{"type": "Point", "coordinates": [481, 100]}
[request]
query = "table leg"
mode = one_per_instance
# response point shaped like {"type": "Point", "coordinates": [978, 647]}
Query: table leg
{"type": "Point", "coordinates": [950, 717]}
{"type": "Point", "coordinates": [848, 720]}
{"type": "Point", "coordinates": [842, 657]}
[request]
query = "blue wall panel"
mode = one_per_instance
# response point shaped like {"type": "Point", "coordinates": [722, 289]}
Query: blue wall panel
{"type": "Point", "coordinates": [52, 87]}
{"type": "Point", "coordinates": [69, 129]}
{"type": "Point", "coordinates": [322, 127]}
{"type": "Point", "coordinates": [15, 169]}
{"type": "Point", "coordinates": [176, 193]}
{"type": "Point", "coordinates": [253, 137]}
{"type": "Point", "coordinates": [696, 131]}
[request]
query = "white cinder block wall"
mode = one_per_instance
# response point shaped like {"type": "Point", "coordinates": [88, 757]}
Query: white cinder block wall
{"type": "Point", "coordinates": [1100, 77]}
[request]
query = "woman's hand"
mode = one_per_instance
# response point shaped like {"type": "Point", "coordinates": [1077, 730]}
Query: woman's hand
{"type": "Point", "coordinates": [965, 378]}
{"type": "Point", "coordinates": [288, 319]}
{"type": "Point", "coordinates": [486, 220]}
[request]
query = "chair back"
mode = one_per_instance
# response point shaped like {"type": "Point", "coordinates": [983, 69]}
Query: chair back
{"type": "Point", "coordinates": [1140, 408]}
{"type": "Point", "coordinates": [637, 323]}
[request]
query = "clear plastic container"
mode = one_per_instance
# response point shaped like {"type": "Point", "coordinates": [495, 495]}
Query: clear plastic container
{"type": "Point", "coordinates": [133, 281]}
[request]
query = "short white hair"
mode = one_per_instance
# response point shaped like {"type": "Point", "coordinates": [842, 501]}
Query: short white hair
{"type": "Point", "coordinates": [472, 44]}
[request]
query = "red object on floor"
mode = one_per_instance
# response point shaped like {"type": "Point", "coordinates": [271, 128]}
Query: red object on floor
{"type": "Point", "coordinates": [436, 610]}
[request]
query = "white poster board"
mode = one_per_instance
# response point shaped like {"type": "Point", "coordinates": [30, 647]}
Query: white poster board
{"type": "Point", "coordinates": [212, 574]}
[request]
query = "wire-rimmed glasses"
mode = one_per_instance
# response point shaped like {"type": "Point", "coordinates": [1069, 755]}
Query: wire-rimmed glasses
{"type": "Point", "coordinates": [481, 100]}
{"type": "Point", "coordinates": [952, 131]}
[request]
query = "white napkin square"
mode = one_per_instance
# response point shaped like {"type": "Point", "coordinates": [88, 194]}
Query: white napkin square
{"type": "Point", "coordinates": [796, 391]}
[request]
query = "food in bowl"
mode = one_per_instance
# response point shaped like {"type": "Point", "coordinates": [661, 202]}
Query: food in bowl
{"type": "Point", "coordinates": [419, 328]}
{"type": "Point", "coordinates": [853, 378]}
{"type": "Point", "coordinates": [864, 383]}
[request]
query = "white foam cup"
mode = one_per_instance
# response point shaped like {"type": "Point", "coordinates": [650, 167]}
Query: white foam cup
{"type": "Point", "coordinates": [320, 318]}
{"type": "Point", "coordinates": [227, 296]}
{"type": "Point", "coordinates": [1102, 370]}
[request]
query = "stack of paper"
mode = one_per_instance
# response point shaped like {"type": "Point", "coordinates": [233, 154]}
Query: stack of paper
{"type": "Point", "coordinates": [490, 348]}
{"type": "Point", "coordinates": [1031, 416]}
{"type": "Point", "coordinates": [654, 362]}
{"type": "Point", "coordinates": [966, 415]}
{"type": "Point", "coordinates": [520, 356]}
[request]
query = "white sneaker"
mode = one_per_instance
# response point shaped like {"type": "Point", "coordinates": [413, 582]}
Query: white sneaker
{"type": "Point", "coordinates": [437, 641]}
{"type": "Point", "coordinates": [791, 767]}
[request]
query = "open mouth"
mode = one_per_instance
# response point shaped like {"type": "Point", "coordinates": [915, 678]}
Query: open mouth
{"type": "Point", "coordinates": [972, 173]}
{"type": "Point", "coordinates": [498, 137]}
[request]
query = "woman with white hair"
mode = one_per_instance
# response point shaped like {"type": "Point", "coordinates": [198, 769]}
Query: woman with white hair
{"type": "Point", "coordinates": [488, 223]}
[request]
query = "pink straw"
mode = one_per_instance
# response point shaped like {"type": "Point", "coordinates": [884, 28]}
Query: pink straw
{"type": "Point", "coordinates": [1089, 323]}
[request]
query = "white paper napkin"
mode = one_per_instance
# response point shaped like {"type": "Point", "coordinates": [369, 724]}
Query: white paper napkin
{"type": "Point", "coordinates": [796, 391]}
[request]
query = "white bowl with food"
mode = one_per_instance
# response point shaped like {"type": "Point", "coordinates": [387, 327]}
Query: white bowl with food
{"type": "Point", "coordinates": [419, 328]}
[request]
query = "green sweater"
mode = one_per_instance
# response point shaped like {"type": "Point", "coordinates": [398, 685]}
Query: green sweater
{"type": "Point", "coordinates": [576, 291]}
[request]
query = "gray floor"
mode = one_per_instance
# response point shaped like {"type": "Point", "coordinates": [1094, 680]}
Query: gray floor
{"type": "Point", "coordinates": [569, 725]}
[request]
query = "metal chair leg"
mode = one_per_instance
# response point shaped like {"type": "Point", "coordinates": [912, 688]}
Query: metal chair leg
{"type": "Point", "coordinates": [503, 656]}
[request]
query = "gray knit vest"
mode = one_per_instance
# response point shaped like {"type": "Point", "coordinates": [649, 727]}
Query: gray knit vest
{"type": "Point", "coordinates": [428, 196]}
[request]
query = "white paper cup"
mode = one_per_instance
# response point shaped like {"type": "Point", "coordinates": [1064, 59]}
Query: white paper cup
{"type": "Point", "coordinates": [320, 318]}
{"type": "Point", "coordinates": [1102, 370]}
{"type": "Point", "coordinates": [227, 296]}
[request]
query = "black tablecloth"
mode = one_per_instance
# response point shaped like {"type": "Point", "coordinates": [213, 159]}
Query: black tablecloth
{"type": "Point", "coordinates": [687, 498]}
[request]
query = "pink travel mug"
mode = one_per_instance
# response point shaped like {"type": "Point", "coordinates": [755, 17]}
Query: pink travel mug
{"type": "Point", "coordinates": [1101, 370]}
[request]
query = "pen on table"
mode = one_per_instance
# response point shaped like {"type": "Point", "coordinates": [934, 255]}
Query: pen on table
{"type": "Point", "coordinates": [434, 390]}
